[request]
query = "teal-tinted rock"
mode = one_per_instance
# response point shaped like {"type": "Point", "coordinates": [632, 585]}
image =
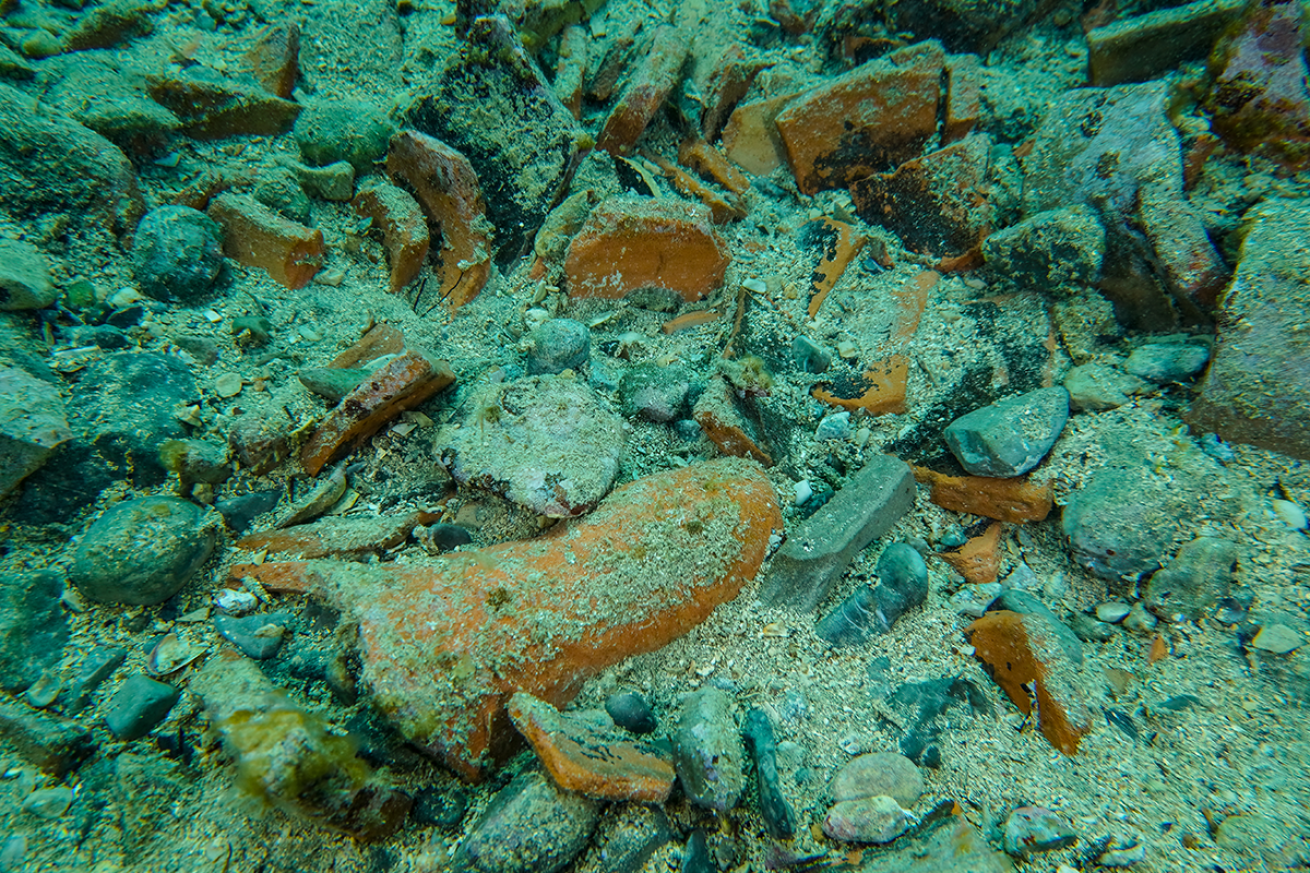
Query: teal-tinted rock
{"type": "Point", "coordinates": [1034, 829]}
{"type": "Point", "coordinates": [1162, 363]}
{"type": "Point", "coordinates": [1011, 436]}
{"type": "Point", "coordinates": [531, 826]}
{"type": "Point", "coordinates": [33, 628]}
{"type": "Point", "coordinates": [343, 130]}
{"type": "Point", "coordinates": [708, 752]}
{"type": "Point", "coordinates": [1194, 582]}
{"type": "Point", "coordinates": [655, 393]}
{"type": "Point", "coordinates": [557, 345]}
{"type": "Point", "coordinates": [138, 705]}
{"type": "Point", "coordinates": [142, 551]}
{"type": "Point", "coordinates": [177, 253]}
{"type": "Point", "coordinates": [24, 277]}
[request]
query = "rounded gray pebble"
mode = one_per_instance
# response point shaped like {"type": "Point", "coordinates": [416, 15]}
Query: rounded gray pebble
{"type": "Point", "coordinates": [142, 552]}
{"type": "Point", "coordinates": [557, 345]}
{"type": "Point", "coordinates": [1162, 363]}
{"type": "Point", "coordinates": [177, 253]}
{"type": "Point", "coordinates": [879, 773]}
{"type": "Point", "coordinates": [631, 712]}
{"type": "Point", "coordinates": [138, 705]}
{"type": "Point", "coordinates": [343, 130]}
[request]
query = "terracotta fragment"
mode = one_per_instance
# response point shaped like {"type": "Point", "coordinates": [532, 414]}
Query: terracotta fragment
{"type": "Point", "coordinates": [937, 203]}
{"type": "Point", "coordinates": [445, 644]}
{"type": "Point", "coordinates": [1012, 500]}
{"type": "Point", "coordinates": [1190, 265]}
{"type": "Point", "coordinates": [571, 70]}
{"type": "Point", "coordinates": [590, 755]}
{"type": "Point", "coordinates": [690, 319]}
{"type": "Point", "coordinates": [840, 246]}
{"type": "Point", "coordinates": [627, 244]}
{"type": "Point", "coordinates": [727, 426]}
{"type": "Point", "coordinates": [404, 229]}
{"type": "Point", "coordinates": [274, 60]}
{"type": "Point", "coordinates": [447, 189]}
{"type": "Point", "coordinates": [212, 107]}
{"type": "Point", "coordinates": [963, 96]}
{"type": "Point", "coordinates": [712, 165]}
{"type": "Point", "coordinates": [380, 339]}
{"type": "Point", "coordinates": [400, 384]}
{"type": "Point", "coordinates": [751, 139]}
{"type": "Point", "coordinates": [723, 206]}
{"type": "Point", "coordinates": [339, 535]}
{"type": "Point", "coordinates": [873, 118]}
{"type": "Point", "coordinates": [256, 236]}
{"type": "Point", "coordinates": [1022, 652]}
{"type": "Point", "coordinates": [646, 92]}
{"type": "Point", "coordinates": [979, 559]}
{"type": "Point", "coordinates": [879, 392]}
{"type": "Point", "coordinates": [727, 83]}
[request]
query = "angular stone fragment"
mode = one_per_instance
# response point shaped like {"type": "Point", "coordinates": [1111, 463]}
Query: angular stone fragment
{"type": "Point", "coordinates": [779, 819]}
{"type": "Point", "coordinates": [402, 383]}
{"type": "Point", "coordinates": [33, 627]}
{"type": "Point", "coordinates": [822, 546]}
{"type": "Point", "coordinates": [403, 226]}
{"type": "Point", "coordinates": [489, 94]}
{"type": "Point", "coordinates": [55, 744]}
{"type": "Point", "coordinates": [1257, 389]}
{"type": "Point", "coordinates": [256, 236]}
{"type": "Point", "coordinates": [1193, 582]}
{"type": "Point", "coordinates": [24, 277]}
{"type": "Point", "coordinates": [1099, 387]}
{"type": "Point", "coordinates": [274, 59]}
{"type": "Point", "coordinates": [629, 244]}
{"type": "Point", "coordinates": [1022, 653]}
{"type": "Point", "coordinates": [339, 535]}
{"type": "Point", "coordinates": [445, 644]}
{"type": "Point", "coordinates": [870, 119]}
{"type": "Point", "coordinates": [1055, 250]}
{"type": "Point", "coordinates": [447, 188]}
{"type": "Point", "coordinates": [212, 106]}
{"type": "Point", "coordinates": [708, 751]}
{"type": "Point", "coordinates": [531, 826]}
{"type": "Point", "coordinates": [937, 203]}
{"type": "Point", "coordinates": [33, 424]}
{"type": "Point", "coordinates": [586, 753]}
{"type": "Point", "coordinates": [544, 442]}
{"type": "Point", "coordinates": [877, 819]}
{"type": "Point", "coordinates": [1011, 436]}
{"type": "Point", "coordinates": [1013, 500]}
{"type": "Point", "coordinates": [625, 840]}
{"type": "Point", "coordinates": [646, 92]}
{"type": "Point", "coordinates": [728, 423]}
{"type": "Point", "coordinates": [1142, 47]}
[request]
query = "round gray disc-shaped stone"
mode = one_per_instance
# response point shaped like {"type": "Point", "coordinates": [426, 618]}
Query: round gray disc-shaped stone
{"type": "Point", "coordinates": [142, 552]}
{"type": "Point", "coordinates": [1009, 437]}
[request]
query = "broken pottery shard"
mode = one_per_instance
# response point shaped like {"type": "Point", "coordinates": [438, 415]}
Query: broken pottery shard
{"type": "Point", "coordinates": [963, 96]}
{"type": "Point", "coordinates": [728, 82]}
{"type": "Point", "coordinates": [33, 424]}
{"type": "Point", "coordinates": [446, 187]}
{"type": "Point", "coordinates": [628, 244]}
{"type": "Point", "coordinates": [867, 121]}
{"type": "Point", "coordinates": [489, 94]}
{"type": "Point", "coordinates": [212, 106]}
{"type": "Point", "coordinates": [586, 753]}
{"type": "Point", "coordinates": [1002, 499]}
{"type": "Point", "coordinates": [402, 383]}
{"type": "Point", "coordinates": [445, 644]}
{"type": "Point", "coordinates": [1025, 652]}
{"type": "Point", "coordinates": [646, 92]}
{"type": "Point", "coordinates": [979, 559]}
{"type": "Point", "coordinates": [403, 226]}
{"type": "Point", "coordinates": [544, 442]}
{"type": "Point", "coordinates": [274, 59]}
{"type": "Point", "coordinates": [1257, 389]}
{"type": "Point", "coordinates": [256, 236]}
{"type": "Point", "coordinates": [821, 548]}
{"type": "Point", "coordinates": [751, 139]}
{"type": "Point", "coordinates": [339, 535]}
{"type": "Point", "coordinates": [731, 423]}
{"type": "Point", "coordinates": [1145, 46]}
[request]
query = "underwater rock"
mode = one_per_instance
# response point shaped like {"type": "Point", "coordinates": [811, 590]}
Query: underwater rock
{"type": "Point", "coordinates": [355, 131]}
{"type": "Point", "coordinates": [32, 425]}
{"type": "Point", "coordinates": [626, 838]}
{"type": "Point", "coordinates": [655, 393]}
{"type": "Point", "coordinates": [878, 773]}
{"type": "Point", "coordinates": [779, 818]}
{"type": "Point", "coordinates": [1097, 387]}
{"type": "Point", "coordinates": [444, 644]}
{"type": "Point", "coordinates": [631, 712]}
{"type": "Point", "coordinates": [177, 253]}
{"type": "Point", "coordinates": [138, 706]}
{"type": "Point", "coordinates": [708, 751]}
{"type": "Point", "coordinates": [1055, 250]}
{"type": "Point", "coordinates": [544, 442]}
{"type": "Point", "coordinates": [877, 819]}
{"type": "Point", "coordinates": [24, 277]}
{"type": "Point", "coordinates": [531, 826]}
{"type": "Point", "coordinates": [1163, 363]}
{"type": "Point", "coordinates": [1194, 582]}
{"type": "Point", "coordinates": [1011, 436]}
{"type": "Point", "coordinates": [33, 627]}
{"type": "Point", "coordinates": [1031, 829]}
{"type": "Point", "coordinates": [556, 345]}
{"type": "Point", "coordinates": [55, 744]}
{"type": "Point", "coordinates": [142, 551]}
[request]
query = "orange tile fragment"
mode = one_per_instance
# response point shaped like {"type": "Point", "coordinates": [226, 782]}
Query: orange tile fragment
{"type": "Point", "coordinates": [840, 246]}
{"type": "Point", "coordinates": [1012, 500]}
{"type": "Point", "coordinates": [379, 340]}
{"type": "Point", "coordinates": [726, 426]}
{"type": "Point", "coordinates": [751, 139]}
{"type": "Point", "coordinates": [339, 535]}
{"type": "Point", "coordinates": [627, 244]}
{"type": "Point", "coordinates": [404, 229]}
{"type": "Point", "coordinates": [866, 121]}
{"type": "Point", "coordinates": [1021, 650]}
{"type": "Point", "coordinates": [445, 644]}
{"type": "Point", "coordinates": [447, 189]}
{"type": "Point", "coordinates": [979, 559]}
{"type": "Point", "coordinates": [727, 83]}
{"type": "Point", "coordinates": [1159, 650]}
{"type": "Point", "coordinates": [912, 298]}
{"type": "Point", "coordinates": [963, 96]}
{"type": "Point", "coordinates": [590, 755]}
{"type": "Point", "coordinates": [711, 164]}
{"type": "Point", "coordinates": [274, 59]}
{"type": "Point", "coordinates": [256, 236]}
{"type": "Point", "coordinates": [649, 87]}
{"type": "Point", "coordinates": [723, 206]}
{"type": "Point", "coordinates": [880, 392]}
{"type": "Point", "coordinates": [571, 69]}
{"type": "Point", "coordinates": [402, 383]}
{"type": "Point", "coordinates": [690, 319]}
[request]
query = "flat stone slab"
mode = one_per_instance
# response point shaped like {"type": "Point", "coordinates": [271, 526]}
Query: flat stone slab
{"type": "Point", "coordinates": [823, 546]}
